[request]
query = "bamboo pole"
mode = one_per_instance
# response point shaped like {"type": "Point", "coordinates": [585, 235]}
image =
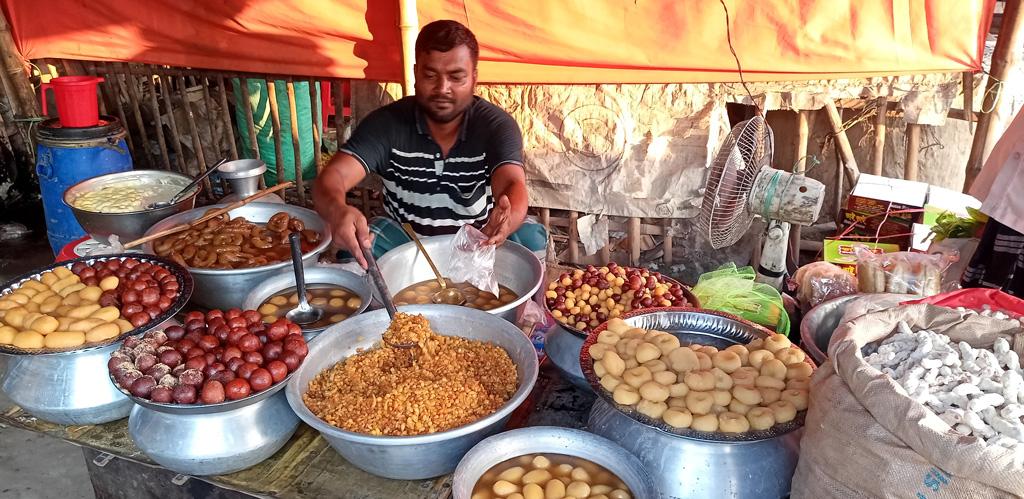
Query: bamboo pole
{"type": "Point", "coordinates": [910, 167]}
{"type": "Point", "coordinates": [165, 82]}
{"type": "Point", "coordinates": [878, 158]}
{"type": "Point", "coordinates": [408, 25]}
{"type": "Point", "coordinates": [250, 125]}
{"type": "Point", "coordinates": [225, 113]}
{"type": "Point", "coordinates": [204, 84]}
{"type": "Point", "coordinates": [314, 100]}
{"type": "Point", "coordinates": [154, 106]}
{"type": "Point", "coordinates": [967, 81]}
{"type": "Point", "coordinates": [803, 134]}
{"type": "Point", "coordinates": [842, 141]}
{"type": "Point", "coordinates": [194, 132]}
{"type": "Point", "coordinates": [605, 253]}
{"type": "Point", "coordinates": [296, 143]}
{"type": "Point", "coordinates": [133, 97]}
{"type": "Point", "coordinates": [275, 123]}
{"type": "Point", "coordinates": [1008, 41]}
{"type": "Point", "coordinates": [117, 88]}
{"type": "Point", "coordinates": [666, 246]}
{"type": "Point", "coordinates": [633, 234]}
{"type": "Point", "coordinates": [104, 97]}
{"type": "Point", "coordinates": [574, 238]}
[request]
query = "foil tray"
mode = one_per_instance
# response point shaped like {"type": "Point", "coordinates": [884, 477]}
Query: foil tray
{"type": "Point", "coordinates": [706, 327]}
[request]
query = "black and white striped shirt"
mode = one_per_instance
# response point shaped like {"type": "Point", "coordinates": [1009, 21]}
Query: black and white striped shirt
{"type": "Point", "coordinates": [436, 194]}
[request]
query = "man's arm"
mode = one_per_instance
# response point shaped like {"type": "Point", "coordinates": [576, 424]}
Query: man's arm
{"type": "Point", "coordinates": [347, 224]}
{"type": "Point", "coordinates": [508, 186]}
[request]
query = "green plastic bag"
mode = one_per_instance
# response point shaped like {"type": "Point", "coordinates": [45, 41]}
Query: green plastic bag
{"type": "Point", "coordinates": [733, 290]}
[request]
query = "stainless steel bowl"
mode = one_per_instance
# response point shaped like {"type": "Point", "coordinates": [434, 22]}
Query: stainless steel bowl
{"type": "Point", "coordinates": [68, 388]}
{"type": "Point", "coordinates": [214, 440]}
{"type": "Point", "coordinates": [422, 456]}
{"type": "Point", "coordinates": [515, 267]}
{"type": "Point", "coordinates": [226, 289]}
{"type": "Point", "coordinates": [131, 225]}
{"type": "Point", "coordinates": [551, 440]}
{"type": "Point", "coordinates": [313, 275]}
{"type": "Point", "coordinates": [686, 463]}
{"type": "Point", "coordinates": [817, 327]}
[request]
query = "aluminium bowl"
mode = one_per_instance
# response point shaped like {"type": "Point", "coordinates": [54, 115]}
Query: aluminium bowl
{"type": "Point", "coordinates": [420, 456]}
{"type": "Point", "coordinates": [515, 267]}
{"type": "Point", "coordinates": [313, 275]}
{"type": "Point", "coordinates": [130, 225]}
{"type": "Point", "coordinates": [551, 440]}
{"type": "Point", "coordinates": [227, 288]}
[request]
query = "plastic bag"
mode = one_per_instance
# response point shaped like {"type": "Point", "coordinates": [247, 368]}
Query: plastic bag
{"type": "Point", "coordinates": [822, 281]}
{"type": "Point", "coordinates": [900, 272]}
{"type": "Point", "coordinates": [958, 252]}
{"type": "Point", "coordinates": [733, 290]}
{"type": "Point", "coordinates": [978, 299]}
{"type": "Point", "coordinates": [472, 261]}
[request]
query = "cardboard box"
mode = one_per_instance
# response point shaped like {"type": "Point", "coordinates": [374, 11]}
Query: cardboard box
{"type": "Point", "coordinates": [873, 205]}
{"type": "Point", "coordinates": [841, 252]}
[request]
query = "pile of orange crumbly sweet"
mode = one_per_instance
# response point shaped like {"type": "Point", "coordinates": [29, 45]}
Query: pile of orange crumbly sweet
{"type": "Point", "coordinates": [442, 383]}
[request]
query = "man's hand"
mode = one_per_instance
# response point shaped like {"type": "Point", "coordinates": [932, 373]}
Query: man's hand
{"type": "Point", "coordinates": [499, 224]}
{"type": "Point", "coordinates": [350, 231]}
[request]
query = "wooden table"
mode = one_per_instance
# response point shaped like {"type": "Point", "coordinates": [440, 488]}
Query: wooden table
{"type": "Point", "coordinates": [305, 467]}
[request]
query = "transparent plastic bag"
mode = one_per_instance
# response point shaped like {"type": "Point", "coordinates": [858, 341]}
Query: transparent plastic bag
{"type": "Point", "coordinates": [821, 281]}
{"type": "Point", "coordinates": [901, 272]}
{"type": "Point", "coordinates": [472, 261]}
{"type": "Point", "coordinates": [733, 290]}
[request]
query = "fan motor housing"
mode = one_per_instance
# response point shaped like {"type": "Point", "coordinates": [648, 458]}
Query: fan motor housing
{"type": "Point", "coordinates": [784, 196]}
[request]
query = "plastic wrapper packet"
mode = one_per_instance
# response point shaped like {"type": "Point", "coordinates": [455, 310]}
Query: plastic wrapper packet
{"type": "Point", "coordinates": [901, 272]}
{"type": "Point", "coordinates": [472, 260]}
{"type": "Point", "coordinates": [818, 282]}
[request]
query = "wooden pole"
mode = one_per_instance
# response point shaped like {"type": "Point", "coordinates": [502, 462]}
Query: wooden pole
{"type": "Point", "coordinates": [910, 168]}
{"type": "Point", "coordinates": [165, 83]}
{"type": "Point", "coordinates": [967, 81]}
{"type": "Point", "coordinates": [275, 123]}
{"type": "Point", "coordinates": [226, 115]}
{"type": "Point", "coordinates": [877, 160]}
{"type": "Point", "coordinates": [1008, 41]}
{"type": "Point", "coordinates": [666, 245]}
{"type": "Point", "coordinates": [408, 25]}
{"type": "Point", "coordinates": [803, 134]}
{"type": "Point", "coordinates": [118, 91]}
{"type": "Point", "coordinates": [296, 143]}
{"type": "Point", "coordinates": [574, 238]}
{"type": "Point", "coordinates": [133, 97]}
{"type": "Point", "coordinates": [250, 126]}
{"type": "Point", "coordinates": [154, 107]}
{"type": "Point", "coordinates": [842, 141]}
{"type": "Point", "coordinates": [193, 130]}
{"type": "Point", "coordinates": [314, 102]}
{"type": "Point", "coordinates": [210, 118]}
{"type": "Point", "coordinates": [633, 233]}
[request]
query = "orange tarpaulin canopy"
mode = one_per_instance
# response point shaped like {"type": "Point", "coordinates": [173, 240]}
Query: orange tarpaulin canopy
{"type": "Point", "coordinates": [523, 41]}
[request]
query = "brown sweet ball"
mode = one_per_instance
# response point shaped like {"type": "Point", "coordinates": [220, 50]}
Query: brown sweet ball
{"type": "Point", "coordinates": [759, 357]}
{"type": "Point", "coordinates": [705, 361]}
{"type": "Point", "coordinates": [700, 381]}
{"type": "Point", "coordinates": [677, 417]}
{"type": "Point", "coordinates": [774, 368]}
{"type": "Point", "coordinates": [647, 352]}
{"type": "Point", "coordinates": [769, 395]}
{"type": "Point", "coordinates": [683, 359]}
{"type": "Point", "coordinates": [784, 411]}
{"type": "Point", "coordinates": [791, 355]}
{"type": "Point", "coordinates": [723, 381]}
{"type": "Point", "coordinates": [747, 395]}
{"type": "Point", "coordinates": [705, 422]}
{"type": "Point", "coordinates": [776, 342]}
{"type": "Point", "coordinates": [699, 402]}
{"type": "Point", "coordinates": [744, 376]}
{"type": "Point", "coordinates": [651, 409]}
{"type": "Point", "coordinates": [625, 394]}
{"type": "Point", "coordinates": [799, 384]}
{"type": "Point", "coordinates": [730, 422]}
{"type": "Point", "coordinates": [637, 376]}
{"type": "Point", "coordinates": [654, 392]}
{"type": "Point", "coordinates": [739, 350]}
{"type": "Point", "coordinates": [796, 397]}
{"type": "Point", "coordinates": [800, 370]}
{"type": "Point", "coordinates": [761, 418]}
{"type": "Point", "coordinates": [727, 361]}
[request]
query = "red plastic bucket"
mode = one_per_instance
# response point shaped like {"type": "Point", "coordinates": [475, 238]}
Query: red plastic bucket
{"type": "Point", "coordinates": [77, 105]}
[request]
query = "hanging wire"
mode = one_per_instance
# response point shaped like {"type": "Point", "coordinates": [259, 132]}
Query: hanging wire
{"type": "Point", "coordinates": [739, 67]}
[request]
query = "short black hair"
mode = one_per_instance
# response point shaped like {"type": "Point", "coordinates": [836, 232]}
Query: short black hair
{"type": "Point", "coordinates": [445, 35]}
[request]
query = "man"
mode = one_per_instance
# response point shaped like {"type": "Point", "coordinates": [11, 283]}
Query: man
{"type": "Point", "coordinates": [446, 158]}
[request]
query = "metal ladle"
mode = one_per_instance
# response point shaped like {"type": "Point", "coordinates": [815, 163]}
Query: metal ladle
{"type": "Point", "coordinates": [449, 296]}
{"type": "Point", "coordinates": [382, 289]}
{"type": "Point", "coordinates": [177, 197]}
{"type": "Point", "coordinates": [304, 313]}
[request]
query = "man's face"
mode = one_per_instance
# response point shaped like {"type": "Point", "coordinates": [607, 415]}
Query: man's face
{"type": "Point", "coordinates": [444, 83]}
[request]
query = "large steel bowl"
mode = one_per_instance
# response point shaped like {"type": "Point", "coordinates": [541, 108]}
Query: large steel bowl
{"type": "Point", "coordinates": [515, 267]}
{"type": "Point", "coordinates": [551, 440]}
{"type": "Point", "coordinates": [422, 456]}
{"type": "Point", "coordinates": [69, 388]}
{"type": "Point", "coordinates": [687, 463]}
{"type": "Point", "coordinates": [313, 275]}
{"type": "Point", "coordinates": [213, 440]}
{"type": "Point", "coordinates": [131, 225]}
{"type": "Point", "coordinates": [818, 326]}
{"type": "Point", "coordinates": [226, 289]}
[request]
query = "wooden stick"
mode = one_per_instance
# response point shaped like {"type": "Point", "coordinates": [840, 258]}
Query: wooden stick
{"type": "Point", "coordinates": [117, 89]}
{"type": "Point", "coordinates": [910, 167]}
{"type": "Point", "coordinates": [213, 214]}
{"type": "Point", "coordinates": [296, 143]}
{"type": "Point", "coordinates": [545, 219]}
{"type": "Point", "coordinates": [91, 70]}
{"type": "Point", "coordinates": [204, 84]}
{"type": "Point", "coordinates": [250, 125]}
{"type": "Point", "coordinates": [1011, 32]}
{"type": "Point", "coordinates": [193, 130]}
{"type": "Point", "coordinates": [842, 141]}
{"type": "Point", "coordinates": [803, 134]}
{"type": "Point", "coordinates": [574, 238]}
{"type": "Point", "coordinates": [314, 100]}
{"type": "Point", "coordinates": [967, 81]}
{"type": "Point", "coordinates": [605, 253]}
{"type": "Point", "coordinates": [666, 246]}
{"type": "Point", "coordinates": [154, 106]}
{"type": "Point", "coordinates": [275, 121]}
{"type": "Point", "coordinates": [165, 83]}
{"type": "Point", "coordinates": [878, 159]}
{"type": "Point", "coordinates": [133, 97]}
{"type": "Point", "coordinates": [633, 233]}
{"type": "Point", "coordinates": [225, 112]}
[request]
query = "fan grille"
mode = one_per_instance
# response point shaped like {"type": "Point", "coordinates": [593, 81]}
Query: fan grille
{"type": "Point", "coordinates": [725, 214]}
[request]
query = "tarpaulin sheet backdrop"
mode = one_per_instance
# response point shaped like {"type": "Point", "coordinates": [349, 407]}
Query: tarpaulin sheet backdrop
{"type": "Point", "coordinates": [634, 144]}
{"type": "Point", "coordinates": [523, 41]}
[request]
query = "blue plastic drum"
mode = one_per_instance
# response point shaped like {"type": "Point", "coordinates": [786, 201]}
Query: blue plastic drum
{"type": "Point", "coordinates": [67, 156]}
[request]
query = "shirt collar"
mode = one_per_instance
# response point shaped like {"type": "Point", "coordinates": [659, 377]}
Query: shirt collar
{"type": "Point", "coordinates": [421, 119]}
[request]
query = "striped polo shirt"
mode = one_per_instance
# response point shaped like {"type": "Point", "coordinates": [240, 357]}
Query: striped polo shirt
{"type": "Point", "coordinates": [434, 193]}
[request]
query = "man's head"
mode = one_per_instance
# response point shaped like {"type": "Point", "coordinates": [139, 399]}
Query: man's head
{"type": "Point", "coordinates": [446, 55]}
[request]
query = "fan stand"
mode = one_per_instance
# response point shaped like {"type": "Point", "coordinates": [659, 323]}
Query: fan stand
{"type": "Point", "coordinates": [771, 269]}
